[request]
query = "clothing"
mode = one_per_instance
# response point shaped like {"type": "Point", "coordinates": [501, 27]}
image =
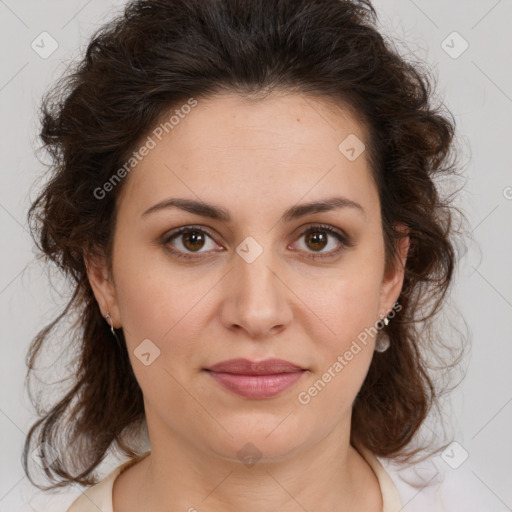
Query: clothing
{"type": "Point", "coordinates": [99, 496]}
{"type": "Point", "coordinates": [425, 487]}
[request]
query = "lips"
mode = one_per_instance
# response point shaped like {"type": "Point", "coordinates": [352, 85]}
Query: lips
{"type": "Point", "coordinates": [246, 367]}
{"type": "Point", "coordinates": [256, 379]}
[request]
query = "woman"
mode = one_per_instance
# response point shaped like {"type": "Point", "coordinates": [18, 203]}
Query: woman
{"type": "Point", "coordinates": [244, 198]}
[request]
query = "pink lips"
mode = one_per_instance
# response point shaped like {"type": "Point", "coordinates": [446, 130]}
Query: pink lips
{"type": "Point", "coordinates": [256, 379]}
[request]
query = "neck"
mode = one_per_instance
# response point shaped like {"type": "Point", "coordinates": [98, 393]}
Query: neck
{"type": "Point", "coordinates": [177, 475]}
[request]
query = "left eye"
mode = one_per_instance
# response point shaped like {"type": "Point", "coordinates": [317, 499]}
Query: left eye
{"type": "Point", "coordinates": [317, 239]}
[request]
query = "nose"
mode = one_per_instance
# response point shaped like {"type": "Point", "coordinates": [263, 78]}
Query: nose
{"type": "Point", "coordinates": [257, 300]}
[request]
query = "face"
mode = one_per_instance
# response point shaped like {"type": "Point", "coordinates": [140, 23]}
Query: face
{"type": "Point", "coordinates": [268, 279]}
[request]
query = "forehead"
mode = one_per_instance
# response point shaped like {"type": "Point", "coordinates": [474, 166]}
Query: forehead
{"type": "Point", "coordinates": [237, 150]}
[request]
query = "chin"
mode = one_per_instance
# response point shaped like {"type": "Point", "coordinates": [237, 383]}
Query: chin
{"type": "Point", "coordinates": [261, 439]}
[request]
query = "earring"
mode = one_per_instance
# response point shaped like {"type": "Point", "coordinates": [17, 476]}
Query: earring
{"type": "Point", "coordinates": [382, 343]}
{"type": "Point", "coordinates": [108, 318]}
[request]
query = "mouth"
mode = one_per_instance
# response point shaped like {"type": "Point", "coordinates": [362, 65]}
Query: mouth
{"type": "Point", "coordinates": [256, 379]}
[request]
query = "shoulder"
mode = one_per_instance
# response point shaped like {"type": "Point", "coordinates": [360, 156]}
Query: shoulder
{"type": "Point", "coordinates": [435, 484]}
{"type": "Point", "coordinates": [99, 496]}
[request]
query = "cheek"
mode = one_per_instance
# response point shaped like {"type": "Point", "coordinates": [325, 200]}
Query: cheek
{"type": "Point", "coordinates": [343, 348]}
{"type": "Point", "coordinates": [346, 303]}
{"type": "Point", "coordinates": [165, 304]}
{"type": "Point", "coordinates": [160, 316]}
{"type": "Point", "coordinates": [155, 308]}
{"type": "Point", "coordinates": [349, 314]}
{"type": "Point", "coordinates": [151, 297]}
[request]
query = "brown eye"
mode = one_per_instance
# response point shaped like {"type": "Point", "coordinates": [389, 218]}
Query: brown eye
{"type": "Point", "coordinates": [316, 240]}
{"type": "Point", "coordinates": [193, 240]}
{"type": "Point", "coordinates": [188, 240]}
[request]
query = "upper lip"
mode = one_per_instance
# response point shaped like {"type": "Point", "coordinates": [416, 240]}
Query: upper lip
{"type": "Point", "coordinates": [247, 367]}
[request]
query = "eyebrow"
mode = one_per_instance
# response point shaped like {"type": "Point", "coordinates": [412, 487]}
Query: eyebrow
{"type": "Point", "coordinates": [295, 212]}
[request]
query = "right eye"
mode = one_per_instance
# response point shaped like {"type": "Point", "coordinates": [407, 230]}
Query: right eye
{"type": "Point", "coordinates": [187, 238]}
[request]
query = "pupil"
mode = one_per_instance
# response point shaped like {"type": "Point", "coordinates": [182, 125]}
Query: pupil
{"type": "Point", "coordinates": [317, 238]}
{"type": "Point", "coordinates": [193, 237]}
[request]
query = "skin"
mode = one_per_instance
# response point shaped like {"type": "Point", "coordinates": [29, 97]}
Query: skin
{"type": "Point", "coordinates": [254, 159]}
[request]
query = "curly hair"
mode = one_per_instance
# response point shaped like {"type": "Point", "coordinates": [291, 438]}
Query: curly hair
{"type": "Point", "coordinates": [151, 58]}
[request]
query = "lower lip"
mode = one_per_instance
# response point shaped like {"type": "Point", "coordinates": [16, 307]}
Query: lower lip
{"type": "Point", "coordinates": [257, 386]}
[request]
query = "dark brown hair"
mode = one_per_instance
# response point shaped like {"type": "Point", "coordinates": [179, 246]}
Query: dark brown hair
{"type": "Point", "coordinates": [154, 57]}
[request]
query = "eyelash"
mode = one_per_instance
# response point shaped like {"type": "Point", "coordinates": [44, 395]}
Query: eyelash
{"type": "Point", "coordinates": [343, 239]}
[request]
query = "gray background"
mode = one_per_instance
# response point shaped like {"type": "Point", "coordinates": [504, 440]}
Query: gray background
{"type": "Point", "coordinates": [477, 87]}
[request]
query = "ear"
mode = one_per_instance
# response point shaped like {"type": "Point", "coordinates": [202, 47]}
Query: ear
{"type": "Point", "coordinates": [394, 275]}
{"type": "Point", "coordinates": [102, 286]}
